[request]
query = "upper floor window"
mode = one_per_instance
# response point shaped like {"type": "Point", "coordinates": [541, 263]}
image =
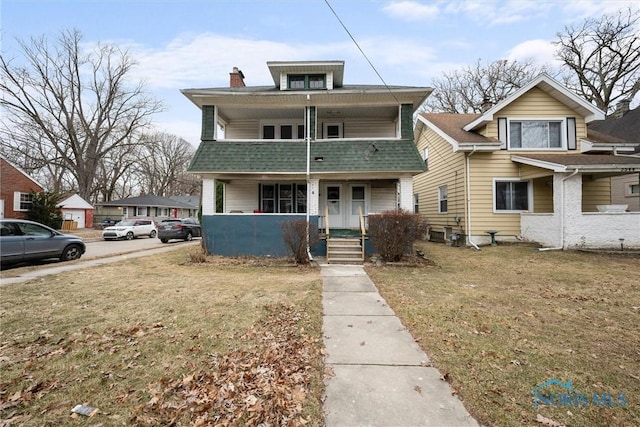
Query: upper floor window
{"type": "Point", "coordinates": [286, 130]}
{"type": "Point", "coordinates": [332, 130]}
{"type": "Point", "coordinates": [535, 134]}
{"type": "Point", "coordinates": [307, 81]}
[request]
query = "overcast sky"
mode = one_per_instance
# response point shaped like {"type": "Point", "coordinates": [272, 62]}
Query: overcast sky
{"type": "Point", "coordinates": [196, 43]}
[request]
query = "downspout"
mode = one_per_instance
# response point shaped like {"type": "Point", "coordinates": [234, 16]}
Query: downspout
{"type": "Point", "coordinates": [468, 182]}
{"type": "Point", "coordinates": [308, 138]}
{"type": "Point", "coordinates": [561, 247]}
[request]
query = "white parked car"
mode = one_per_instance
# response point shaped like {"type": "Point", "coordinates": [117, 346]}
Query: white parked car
{"type": "Point", "coordinates": [130, 229]}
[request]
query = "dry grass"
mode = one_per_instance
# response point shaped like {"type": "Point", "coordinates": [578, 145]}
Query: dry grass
{"type": "Point", "coordinates": [102, 336]}
{"type": "Point", "coordinates": [501, 321]}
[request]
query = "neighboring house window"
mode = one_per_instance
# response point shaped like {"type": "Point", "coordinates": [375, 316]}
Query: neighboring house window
{"type": "Point", "coordinates": [22, 201]}
{"type": "Point", "coordinates": [307, 81]}
{"type": "Point", "coordinates": [425, 157]}
{"type": "Point", "coordinates": [283, 198]}
{"type": "Point", "coordinates": [442, 199]}
{"type": "Point", "coordinates": [332, 130]}
{"type": "Point", "coordinates": [634, 189]}
{"type": "Point", "coordinates": [416, 204]}
{"type": "Point", "coordinates": [535, 134]}
{"type": "Point", "coordinates": [511, 195]}
{"type": "Point", "coordinates": [124, 212]}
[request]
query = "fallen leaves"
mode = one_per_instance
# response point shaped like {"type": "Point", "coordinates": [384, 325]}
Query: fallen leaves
{"type": "Point", "coordinates": [264, 385]}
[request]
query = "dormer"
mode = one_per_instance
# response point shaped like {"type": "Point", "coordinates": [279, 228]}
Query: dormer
{"type": "Point", "coordinates": [306, 75]}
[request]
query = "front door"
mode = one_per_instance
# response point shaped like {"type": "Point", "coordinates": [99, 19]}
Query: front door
{"type": "Point", "coordinates": [334, 202]}
{"type": "Point", "coordinates": [357, 193]}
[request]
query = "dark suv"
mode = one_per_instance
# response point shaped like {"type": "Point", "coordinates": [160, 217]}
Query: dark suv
{"type": "Point", "coordinates": [183, 229]}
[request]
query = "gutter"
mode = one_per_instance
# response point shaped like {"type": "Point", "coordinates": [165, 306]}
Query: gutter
{"type": "Point", "coordinates": [561, 247]}
{"type": "Point", "coordinates": [469, 198]}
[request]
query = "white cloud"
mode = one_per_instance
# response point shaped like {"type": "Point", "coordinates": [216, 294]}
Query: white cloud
{"type": "Point", "coordinates": [499, 13]}
{"type": "Point", "coordinates": [579, 10]}
{"type": "Point", "coordinates": [411, 10]}
{"type": "Point", "coordinates": [539, 51]}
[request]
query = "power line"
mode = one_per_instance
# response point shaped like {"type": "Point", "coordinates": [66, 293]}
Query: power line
{"type": "Point", "coordinates": [361, 51]}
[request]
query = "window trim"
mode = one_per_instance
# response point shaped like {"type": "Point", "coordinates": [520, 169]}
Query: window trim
{"type": "Point", "coordinates": [563, 132]}
{"type": "Point", "coordinates": [509, 211]}
{"type": "Point", "coordinates": [444, 199]}
{"type": "Point", "coordinates": [17, 201]}
{"type": "Point", "coordinates": [325, 127]}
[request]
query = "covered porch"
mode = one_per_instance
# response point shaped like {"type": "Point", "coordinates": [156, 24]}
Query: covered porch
{"type": "Point", "coordinates": [250, 210]}
{"type": "Point", "coordinates": [582, 215]}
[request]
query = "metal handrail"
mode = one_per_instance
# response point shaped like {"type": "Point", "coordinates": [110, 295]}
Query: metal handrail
{"type": "Point", "coordinates": [326, 229]}
{"type": "Point", "coordinates": [362, 229]}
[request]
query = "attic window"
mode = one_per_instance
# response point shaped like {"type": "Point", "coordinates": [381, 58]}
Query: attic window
{"type": "Point", "coordinates": [307, 81]}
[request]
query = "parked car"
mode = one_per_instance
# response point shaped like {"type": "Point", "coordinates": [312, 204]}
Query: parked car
{"type": "Point", "coordinates": [130, 229]}
{"type": "Point", "coordinates": [183, 229]}
{"type": "Point", "coordinates": [22, 240]}
{"type": "Point", "coordinates": [107, 222]}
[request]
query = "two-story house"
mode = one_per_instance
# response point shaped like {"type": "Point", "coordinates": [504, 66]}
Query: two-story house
{"type": "Point", "coordinates": [522, 170]}
{"type": "Point", "coordinates": [307, 147]}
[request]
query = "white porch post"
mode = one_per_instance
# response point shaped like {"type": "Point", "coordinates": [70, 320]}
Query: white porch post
{"type": "Point", "coordinates": [569, 203]}
{"type": "Point", "coordinates": [208, 196]}
{"type": "Point", "coordinates": [313, 196]}
{"type": "Point", "coordinates": [406, 194]}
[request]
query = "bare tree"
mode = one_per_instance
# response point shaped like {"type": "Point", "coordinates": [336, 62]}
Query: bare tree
{"type": "Point", "coordinates": [80, 104]}
{"type": "Point", "coordinates": [603, 56]}
{"type": "Point", "coordinates": [466, 90]}
{"type": "Point", "coordinates": [163, 165]}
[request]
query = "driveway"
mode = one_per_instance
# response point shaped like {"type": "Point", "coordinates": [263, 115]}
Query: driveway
{"type": "Point", "coordinates": [98, 253]}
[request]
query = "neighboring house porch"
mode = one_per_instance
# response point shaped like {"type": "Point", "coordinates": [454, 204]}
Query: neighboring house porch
{"type": "Point", "coordinates": [566, 213]}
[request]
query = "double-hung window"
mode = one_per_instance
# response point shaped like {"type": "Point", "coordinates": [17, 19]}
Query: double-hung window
{"type": "Point", "coordinates": [536, 134]}
{"type": "Point", "coordinates": [283, 198]}
{"type": "Point", "coordinates": [511, 195]}
{"type": "Point", "coordinates": [443, 196]}
{"type": "Point", "coordinates": [22, 201]}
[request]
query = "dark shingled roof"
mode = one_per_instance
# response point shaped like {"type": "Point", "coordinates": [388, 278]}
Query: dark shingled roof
{"type": "Point", "coordinates": [626, 127]}
{"type": "Point", "coordinates": [338, 156]}
{"type": "Point", "coordinates": [577, 160]}
{"type": "Point", "coordinates": [452, 125]}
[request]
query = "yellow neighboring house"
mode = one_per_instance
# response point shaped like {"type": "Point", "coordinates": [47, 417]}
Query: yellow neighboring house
{"type": "Point", "coordinates": [523, 171]}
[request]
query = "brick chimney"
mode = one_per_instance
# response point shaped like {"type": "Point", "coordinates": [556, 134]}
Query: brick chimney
{"type": "Point", "coordinates": [486, 104]}
{"type": "Point", "coordinates": [622, 108]}
{"type": "Point", "coordinates": [236, 78]}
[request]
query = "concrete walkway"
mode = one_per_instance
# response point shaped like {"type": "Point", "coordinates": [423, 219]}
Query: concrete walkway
{"type": "Point", "coordinates": [382, 377]}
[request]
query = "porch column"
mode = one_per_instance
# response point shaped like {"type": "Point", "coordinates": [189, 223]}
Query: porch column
{"type": "Point", "coordinates": [405, 198]}
{"type": "Point", "coordinates": [208, 196]}
{"type": "Point", "coordinates": [313, 199]}
{"type": "Point", "coordinates": [568, 205]}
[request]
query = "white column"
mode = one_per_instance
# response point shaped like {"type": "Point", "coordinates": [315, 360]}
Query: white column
{"type": "Point", "coordinates": [313, 196]}
{"type": "Point", "coordinates": [208, 196]}
{"type": "Point", "coordinates": [406, 194]}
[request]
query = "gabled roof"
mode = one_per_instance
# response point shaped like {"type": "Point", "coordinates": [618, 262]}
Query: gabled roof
{"type": "Point", "coordinates": [74, 201]}
{"type": "Point", "coordinates": [148, 200]}
{"type": "Point", "coordinates": [193, 201]}
{"type": "Point", "coordinates": [583, 162]}
{"type": "Point", "coordinates": [290, 157]}
{"type": "Point", "coordinates": [23, 173]}
{"type": "Point", "coordinates": [554, 89]}
{"type": "Point", "coordinates": [451, 127]}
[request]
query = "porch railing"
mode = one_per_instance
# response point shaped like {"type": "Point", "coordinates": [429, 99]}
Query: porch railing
{"type": "Point", "coordinates": [363, 230]}
{"type": "Point", "coordinates": [326, 229]}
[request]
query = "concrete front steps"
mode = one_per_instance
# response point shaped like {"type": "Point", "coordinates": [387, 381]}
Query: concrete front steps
{"type": "Point", "coordinates": [344, 250]}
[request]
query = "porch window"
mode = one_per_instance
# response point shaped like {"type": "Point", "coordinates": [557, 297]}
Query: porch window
{"type": "Point", "coordinates": [332, 130]}
{"type": "Point", "coordinates": [286, 132]}
{"type": "Point", "coordinates": [285, 129]}
{"type": "Point", "coordinates": [535, 134]}
{"type": "Point", "coordinates": [511, 196]}
{"type": "Point", "coordinates": [283, 198]}
{"type": "Point", "coordinates": [443, 197]}
{"type": "Point", "coordinates": [268, 132]}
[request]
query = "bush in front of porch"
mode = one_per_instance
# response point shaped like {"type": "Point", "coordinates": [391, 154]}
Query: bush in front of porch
{"type": "Point", "coordinates": [294, 234]}
{"type": "Point", "coordinates": [393, 232]}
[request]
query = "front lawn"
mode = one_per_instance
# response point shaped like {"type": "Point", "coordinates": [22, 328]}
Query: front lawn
{"type": "Point", "coordinates": [161, 340]}
{"type": "Point", "coordinates": [501, 321]}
